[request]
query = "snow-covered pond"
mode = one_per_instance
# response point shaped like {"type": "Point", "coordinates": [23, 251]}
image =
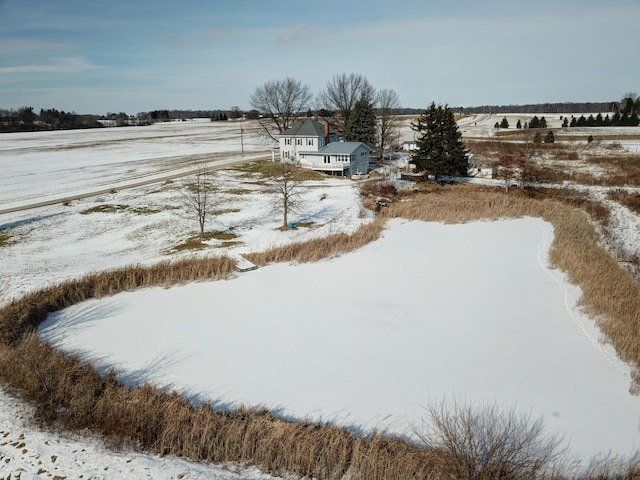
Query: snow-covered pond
{"type": "Point", "coordinates": [429, 311]}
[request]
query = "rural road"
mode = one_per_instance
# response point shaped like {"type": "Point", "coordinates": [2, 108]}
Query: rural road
{"type": "Point", "coordinates": [192, 160]}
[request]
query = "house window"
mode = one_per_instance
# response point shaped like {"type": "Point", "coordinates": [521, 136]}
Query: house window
{"type": "Point", "coordinates": [326, 159]}
{"type": "Point", "coordinates": [298, 141]}
{"type": "Point", "coordinates": [287, 141]}
{"type": "Point", "coordinates": [310, 142]}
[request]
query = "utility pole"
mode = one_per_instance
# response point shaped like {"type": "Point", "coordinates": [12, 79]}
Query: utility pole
{"type": "Point", "coordinates": [242, 140]}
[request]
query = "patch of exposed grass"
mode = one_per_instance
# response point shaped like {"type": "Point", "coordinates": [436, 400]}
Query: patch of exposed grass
{"type": "Point", "coordinates": [239, 191]}
{"type": "Point", "coordinates": [266, 169]}
{"type": "Point", "coordinates": [144, 210]}
{"type": "Point", "coordinates": [109, 208]}
{"type": "Point", "coordinates": [631, 200]}
{"type": "Point", "coordinates": [223, 236]}
{"type": "Point", "coordinates": [227, 244]}
{"type": "Point", "coordinates": [5, 240]}
{"type": "Point", "coordinates": [625, 169]}
{"type": "Point", "coordinates": [225, 210]}
{"type": "Point", "coordinates": [192, 243]}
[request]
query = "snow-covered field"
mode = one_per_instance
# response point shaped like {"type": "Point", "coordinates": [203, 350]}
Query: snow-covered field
{"type": "Point", "coordinates": [367, 339]}
{"type": "Point", "coordinates": [49, 165]}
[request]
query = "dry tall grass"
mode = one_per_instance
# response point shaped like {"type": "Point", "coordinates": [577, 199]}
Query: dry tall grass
{"type": "Point", "coordinates": [69, 391]}
{"type": "Point", "coordinates": [319, 248]}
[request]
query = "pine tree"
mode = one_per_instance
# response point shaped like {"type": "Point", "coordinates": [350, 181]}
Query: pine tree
{"type": "Point", "coordinates": [362, 124]}
{"type": "Point", "coordinates": [549, 137]}
{"type": "Point", "coordinates": [565, 122]}
{"type": "Point", "coordinates": [535, 122]}
{"type": "Point", "coordinates": [504, 123]}
{"type": "Point", "coordinates": [519, 124]}
{"type": "Point", "coordinates": [615, 119]}
{"type": "Point", "coordinates": [439, 150]}
{"type": "Point", "coordinates": [543, 123]}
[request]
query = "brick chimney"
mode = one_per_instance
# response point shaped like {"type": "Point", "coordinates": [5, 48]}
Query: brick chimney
{"type": "Point", "coordinates": [326, 134]}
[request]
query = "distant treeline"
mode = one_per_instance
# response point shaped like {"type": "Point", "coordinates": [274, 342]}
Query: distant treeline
{"type": "Point", "coordinates": [566, 107]}
{"type": "Point", "coordinates": [26, 120]}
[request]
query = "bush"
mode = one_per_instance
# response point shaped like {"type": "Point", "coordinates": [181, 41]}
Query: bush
{"type": "Point", "coordinates": [487, 443]}
{"type": "Point", "coordinates": [549, 137]}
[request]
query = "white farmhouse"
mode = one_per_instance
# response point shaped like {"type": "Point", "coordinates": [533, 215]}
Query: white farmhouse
{"type": "Point", "coordinates": [312, 144]}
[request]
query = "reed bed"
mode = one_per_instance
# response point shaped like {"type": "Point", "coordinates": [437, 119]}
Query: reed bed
{"type": "Point", "coordinates": [320, 248]}
{"type": "Point", "coordinates": [68, 391]}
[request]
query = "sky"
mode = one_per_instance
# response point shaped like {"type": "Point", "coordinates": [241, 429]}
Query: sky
{"type": "Point", "coordinates": [99, 57]}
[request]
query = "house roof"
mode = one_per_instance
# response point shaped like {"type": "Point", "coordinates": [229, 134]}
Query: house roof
{"type": "Point", "coordinates": [305, 128]}
{"type": "Point", "coordinates": [339, 148]}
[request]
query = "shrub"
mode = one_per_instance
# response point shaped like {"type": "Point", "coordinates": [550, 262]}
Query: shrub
{"type": "Point", "coordinates": [486, 443]}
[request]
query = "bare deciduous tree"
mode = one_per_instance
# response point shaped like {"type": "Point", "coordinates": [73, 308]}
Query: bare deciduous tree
{"type": "Point", "coordinates": [486, 443]}
{"type": "Point", "coordinates": [200, 195]}
{"type": "Point", "coordinates": [341, 95]}
{"type": "Point", "coordinates": [388, 124]}
{"type": "Point", "coordinates": [506, 166]}
{"type": "Point", "coordinates": [280, 101]}
{"type": "Point", "coordinates": [288, 191]}
{"type": "Point", "coordinates": [517, 163]}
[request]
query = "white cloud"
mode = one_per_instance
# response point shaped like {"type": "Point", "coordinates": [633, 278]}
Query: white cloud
{"type": "Point", "coordinates": [64, 65]}
{"type": "Point", "coordinates": [294, 34]}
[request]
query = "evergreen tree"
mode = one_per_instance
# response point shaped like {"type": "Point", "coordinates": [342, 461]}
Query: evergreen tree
{"type": "Point", "coordinates": [519, 124]}
{"type": "Point", "coordinates": [543, 123]}
{"type": "Point", "coordinates": [565, 122]}
{"type": "Point", "coordinates": [591, 121]}
{"type": "Point", "coordinates": [504, 123]}
{"type": "Point", "coordinates": [634, 121]}
{"type": "Point", "coordinates": [535, 122]}
{"type": "Point", "coordinates": [624, 120]}
{"type": "Point", "coordinates": [582, 122]}
{"type": "Point", "coordinates": [615, 120]}
{"type": "Point", "coordinates": [362, 124]}
{"type": "Point", "coordinates": [439, 149]}
{"type": "Point", "coordinates": [549, 137]}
